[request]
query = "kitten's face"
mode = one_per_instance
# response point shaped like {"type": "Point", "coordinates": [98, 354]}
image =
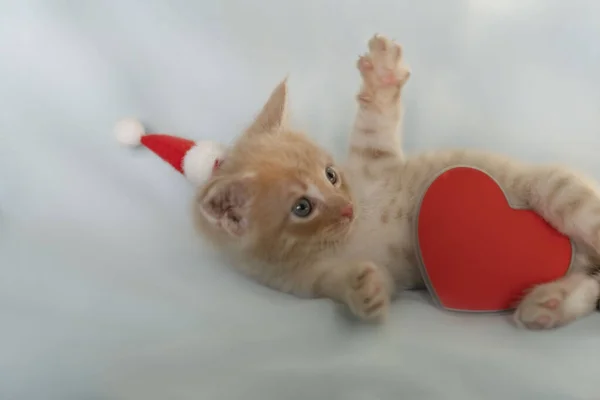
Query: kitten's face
{"type": "Point", "coordinates": [276, 188]}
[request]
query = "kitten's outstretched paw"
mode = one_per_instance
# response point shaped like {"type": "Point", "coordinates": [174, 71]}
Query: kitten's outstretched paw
{"type": "Point", "coordinates": [382, 67]}
{"type": "Point", "coordinates": [368, 297]}
{"type": "Point", "coordinates": [557, 303]}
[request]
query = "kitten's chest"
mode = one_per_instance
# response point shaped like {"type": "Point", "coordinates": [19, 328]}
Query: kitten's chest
{"type": "Point", "coordinates": [383, 230]}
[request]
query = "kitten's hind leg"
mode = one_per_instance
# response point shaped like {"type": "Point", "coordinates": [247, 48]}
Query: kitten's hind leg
{"type": "Point", "coordinates": [375, 138]}
{"type": "Point", "coordinates": [558, 303]}
{"type": "Point", "coordinates": [569, 202]}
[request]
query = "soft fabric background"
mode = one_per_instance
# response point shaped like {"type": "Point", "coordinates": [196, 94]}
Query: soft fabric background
{"type": "Point", "coordinates": [106, 292]}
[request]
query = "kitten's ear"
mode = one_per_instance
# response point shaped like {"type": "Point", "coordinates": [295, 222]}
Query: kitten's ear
{"type": "Point", "coordinates": [225, 203]}
{"type": "Point", "coordinates": [273, 116]}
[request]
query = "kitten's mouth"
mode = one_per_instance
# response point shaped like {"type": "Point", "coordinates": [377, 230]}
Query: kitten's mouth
{"type": "Point", "coordinates": [347, 219]}
{"type": "Point", "coordinates": [346, 223]}
{"type": "Point", "coordinates": [341, 228]}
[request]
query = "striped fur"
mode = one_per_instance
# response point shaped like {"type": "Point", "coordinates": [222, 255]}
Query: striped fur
{"type": "Point", "coordinates": [362, 262]}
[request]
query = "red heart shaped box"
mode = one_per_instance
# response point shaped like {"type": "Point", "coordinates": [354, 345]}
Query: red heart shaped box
{"type": "Point", "coordinates": [479, 254]}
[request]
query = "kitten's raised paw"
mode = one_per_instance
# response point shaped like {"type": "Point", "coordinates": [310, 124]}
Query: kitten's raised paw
{"type": "Point", "coordinates": [382, 66]}
{"type": "Point", "coordinates": [368, 297]}
{"type": "Point", "coordinates": [557, 303]}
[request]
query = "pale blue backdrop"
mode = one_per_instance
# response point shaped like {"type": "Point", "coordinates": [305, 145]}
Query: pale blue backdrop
{"type": "Point", "coordinates": [106, 293]}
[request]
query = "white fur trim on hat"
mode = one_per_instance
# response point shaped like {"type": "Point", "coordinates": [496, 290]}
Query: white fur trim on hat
{"type": "Point", "coordinates": [199, 161]}
{"type": "Point", "coordinates": [129, 131]}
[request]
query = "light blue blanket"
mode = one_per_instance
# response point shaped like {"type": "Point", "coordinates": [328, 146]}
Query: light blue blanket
{"type": "Point", "coordinates": [106, 292]}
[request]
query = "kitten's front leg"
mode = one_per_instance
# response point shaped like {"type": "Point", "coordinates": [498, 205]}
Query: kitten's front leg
{"type": "Point", "coordinates": [363, 286]}
{"type": "Point", "coordinates": [375, 138]}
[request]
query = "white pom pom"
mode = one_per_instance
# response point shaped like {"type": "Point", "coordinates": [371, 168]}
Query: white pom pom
{"type": "Point", "coordinates": [129, 131]}
{"type": "Point", "coordinates": [199, 161]}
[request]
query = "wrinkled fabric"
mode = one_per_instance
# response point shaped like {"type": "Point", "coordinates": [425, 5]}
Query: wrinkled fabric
{"type": "Point", "coordinates": [106, 292]}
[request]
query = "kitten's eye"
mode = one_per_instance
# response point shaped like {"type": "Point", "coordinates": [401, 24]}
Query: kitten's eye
{"type": "Point", "coordinates": [331, 175]}
{"type": "Point", "coordinates": [302, 208]}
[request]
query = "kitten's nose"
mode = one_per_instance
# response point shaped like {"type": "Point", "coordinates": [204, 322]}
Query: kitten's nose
{"type": "Point", "coordinates": [347, 211]}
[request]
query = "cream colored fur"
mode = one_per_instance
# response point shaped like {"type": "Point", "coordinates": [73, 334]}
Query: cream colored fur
{"type": "Point", "coordinates": [361, 259]}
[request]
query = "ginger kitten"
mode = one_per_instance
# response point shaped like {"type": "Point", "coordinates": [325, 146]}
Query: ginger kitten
{"type": "Point", "coordinates": [296, 221]}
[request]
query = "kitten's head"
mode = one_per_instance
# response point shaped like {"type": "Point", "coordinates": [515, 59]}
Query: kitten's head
{"type": "Point", "coordinates": [276, 190]}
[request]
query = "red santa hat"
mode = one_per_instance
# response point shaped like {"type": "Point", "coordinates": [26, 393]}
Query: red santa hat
{"type": "Point", "coordinates": [195, 160]}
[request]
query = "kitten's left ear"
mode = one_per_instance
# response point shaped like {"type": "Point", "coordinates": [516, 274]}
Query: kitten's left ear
{"type": "Point", "coordinates": [225, 202]}
{"type": "Point", "coordinates": [273, 116]}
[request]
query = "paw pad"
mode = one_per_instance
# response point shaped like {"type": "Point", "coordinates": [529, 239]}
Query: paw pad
{"type": "Point", "coordinates": [366, 295]}
{"type": "Point", "coordinates": [382, 66]}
